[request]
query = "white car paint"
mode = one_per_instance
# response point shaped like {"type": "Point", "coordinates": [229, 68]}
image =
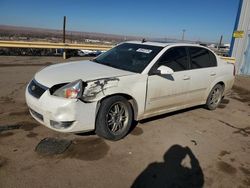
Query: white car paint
{"type": "Point", "coordinates": [149, 95]}
{"type": "Point", "coordinates": [68, 72]}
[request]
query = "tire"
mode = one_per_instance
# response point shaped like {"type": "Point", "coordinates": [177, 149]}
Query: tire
{"type": "Point", "coordinates": [114, 118]}
{"type": "Point", "coordinates": [214, 97]}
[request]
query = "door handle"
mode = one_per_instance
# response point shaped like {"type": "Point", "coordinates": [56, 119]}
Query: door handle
{"type": "Point", "coordinates": [186, 78]}
{"type": "Point", "coordinates": [212, 74]}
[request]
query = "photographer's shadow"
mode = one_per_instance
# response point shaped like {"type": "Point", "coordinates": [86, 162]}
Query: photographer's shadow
{"type": "Point", "coordinates": [171, 173]}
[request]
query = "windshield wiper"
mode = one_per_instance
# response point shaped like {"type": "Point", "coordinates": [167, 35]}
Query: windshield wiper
{"type": "Point", "coordinates": [95, 60]}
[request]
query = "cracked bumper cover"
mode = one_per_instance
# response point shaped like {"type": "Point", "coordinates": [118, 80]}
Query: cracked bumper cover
{"type": "Point", "coordinates": [56, 109]}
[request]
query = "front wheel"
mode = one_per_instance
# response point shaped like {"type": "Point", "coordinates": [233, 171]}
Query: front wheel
{"type": "Point", "coordinates": [214, 97]}
{"type": "Point", "coordinates": [114, 118]}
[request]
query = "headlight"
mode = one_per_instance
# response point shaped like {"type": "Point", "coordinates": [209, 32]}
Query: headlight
{"type": "Point", "coordinates": [72, 90]}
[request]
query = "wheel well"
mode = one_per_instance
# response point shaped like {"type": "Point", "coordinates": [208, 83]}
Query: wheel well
{"type": "Point", "coordinates": [218, 83]}
{"type": "Point", "coordinates": [221, 83]}
{"type": "Point", "coordinates": [212, 86]}
{"type": "Point", "coordinates": [130, 99]}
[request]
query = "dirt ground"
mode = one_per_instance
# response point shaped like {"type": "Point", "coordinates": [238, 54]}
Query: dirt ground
{"type": "Point", "coordinates": [190, 148]}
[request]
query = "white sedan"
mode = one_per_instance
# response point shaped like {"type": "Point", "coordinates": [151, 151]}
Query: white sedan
{"type": "Point", "coordinates": [132, 81]}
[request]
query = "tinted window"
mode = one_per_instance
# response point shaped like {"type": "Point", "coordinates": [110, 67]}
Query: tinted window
{"type": "Point", "coordinates": [175, 58]}
{"type": "Point", "coordinates": [213, 60]}
{"type": "Point", "coordinates": [128, 56]}
{"type": "Point", "coordinates": [201, 58]}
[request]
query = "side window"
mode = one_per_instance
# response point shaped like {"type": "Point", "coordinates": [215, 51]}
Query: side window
{"type": "Point", "coordinates": [201, 58]}
{"type": "Point", "coordinates": [213, 60]}
{"type": "Point", "coordinates": [175, 58]}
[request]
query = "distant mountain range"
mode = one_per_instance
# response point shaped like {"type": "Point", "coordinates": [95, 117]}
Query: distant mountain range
{"type": "Point", "coordinates": [7, 30]}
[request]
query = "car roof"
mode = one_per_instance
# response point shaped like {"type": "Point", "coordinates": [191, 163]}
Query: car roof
{"type": "Point", "coordinates": [162, 44]}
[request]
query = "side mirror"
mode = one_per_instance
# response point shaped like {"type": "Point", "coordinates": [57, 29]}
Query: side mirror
{"type": "Point", "coordinates": [165, 70]}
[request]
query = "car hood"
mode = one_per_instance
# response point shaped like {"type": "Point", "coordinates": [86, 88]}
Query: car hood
{"type": "Point", "coordinates": [84, 70]}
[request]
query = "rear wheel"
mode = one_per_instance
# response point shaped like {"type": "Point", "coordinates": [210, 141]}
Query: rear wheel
{"type": "Point", "coordinates": [114, 118]}
{"type": "Point", "coordinates": [214, 97]}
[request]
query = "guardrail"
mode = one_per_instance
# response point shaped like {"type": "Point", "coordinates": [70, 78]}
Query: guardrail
{"type": "Point", "coordinates": [228, 59]}
{"type": "Point", "coordinates": [24, 44]}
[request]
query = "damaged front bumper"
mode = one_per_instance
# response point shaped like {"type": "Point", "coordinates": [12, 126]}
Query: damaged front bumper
{"type": "Point", "coordinates": [61, 114]}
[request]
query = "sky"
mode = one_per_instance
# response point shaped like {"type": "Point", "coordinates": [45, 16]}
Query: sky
{"type": "Point", "coordinates": [204, 20]}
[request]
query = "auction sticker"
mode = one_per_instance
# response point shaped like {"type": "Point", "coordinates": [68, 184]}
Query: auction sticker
{"type": "Point", "coordinates": [142, 50]}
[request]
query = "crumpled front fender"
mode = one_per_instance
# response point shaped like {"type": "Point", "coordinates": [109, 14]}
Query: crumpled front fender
{"type": "Point", "coordinates": [97, 89]}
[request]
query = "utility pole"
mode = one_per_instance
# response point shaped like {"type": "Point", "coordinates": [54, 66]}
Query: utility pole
{"type": "Point", "coordinates": [64, 26]}
{"type": "Point", "coordinates": [219, 45]}
{"type": "Point", "coordinates": [183, 34]}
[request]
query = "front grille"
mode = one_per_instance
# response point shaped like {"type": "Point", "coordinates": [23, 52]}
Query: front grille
{"type": "Point", "coordinates": [36, 114]}
{"type": "Point", "coordinates": [36, 89]}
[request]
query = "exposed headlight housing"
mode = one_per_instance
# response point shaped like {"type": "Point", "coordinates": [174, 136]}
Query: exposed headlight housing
{"type": "Point", "coordinates": [72, 90]}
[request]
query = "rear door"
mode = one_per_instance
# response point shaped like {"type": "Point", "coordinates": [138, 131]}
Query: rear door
{"type": "Point", "coordinates": [169, 91]}
{"type": "Point", "coordinates": [203, 72]}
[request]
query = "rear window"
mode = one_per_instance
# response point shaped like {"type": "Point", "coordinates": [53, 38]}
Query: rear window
{"type": "Point", "coordinates": [201, 58]}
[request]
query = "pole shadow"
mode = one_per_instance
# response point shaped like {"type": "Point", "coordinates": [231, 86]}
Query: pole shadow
{"type": "Point", "coordinates": [171, 173]}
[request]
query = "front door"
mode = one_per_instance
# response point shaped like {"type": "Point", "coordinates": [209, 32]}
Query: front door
{"type": "Point", "coordinates": [166, 92]}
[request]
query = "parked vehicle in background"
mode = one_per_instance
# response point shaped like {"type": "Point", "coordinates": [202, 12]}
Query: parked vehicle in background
{"type": "Point", "coordinates": [132, 81]}
{"type": "Point", "coordinates": [89, 52]}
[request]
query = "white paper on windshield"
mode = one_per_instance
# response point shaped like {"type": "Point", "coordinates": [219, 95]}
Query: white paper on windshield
{"type": "Point", "coordinates": [142, 50]}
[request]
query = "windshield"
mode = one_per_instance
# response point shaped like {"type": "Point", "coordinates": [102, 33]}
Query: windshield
{"type": "Point", "coordinates": [128, 56]}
